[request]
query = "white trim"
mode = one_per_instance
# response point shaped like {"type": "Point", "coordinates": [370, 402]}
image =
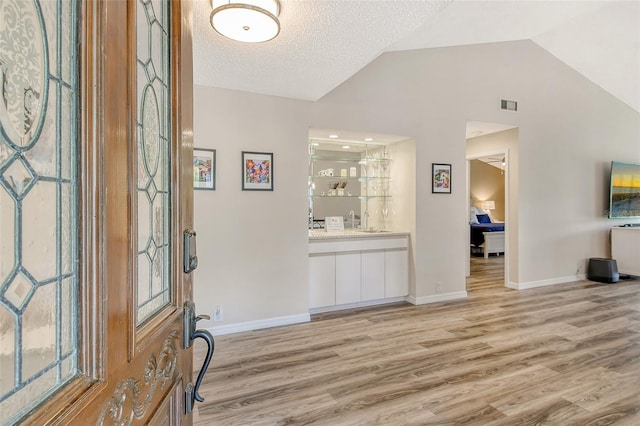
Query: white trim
{"type": "Point", "coordinates": [544, 283]}
{"type": "Point", "coordinates": [437, 298]}
{"type": "Point", "coordinates": [259, 324]}
{"type": "Point", "coordinates": [357, 305]}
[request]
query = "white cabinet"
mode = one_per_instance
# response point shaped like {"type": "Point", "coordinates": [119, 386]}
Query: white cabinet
{"type": "Point", "coordinates": [373, 275]}
{"type": "Point", "coordinates": [322, 280]}
{"type": "Point", "coordinates": [396, 271]}
{"type": "Point", "coordinates": [625, 249]}
{"type": "Point", "coordinates": [347, 278]}
{"type": "Point", "coordinates": [354, 272]}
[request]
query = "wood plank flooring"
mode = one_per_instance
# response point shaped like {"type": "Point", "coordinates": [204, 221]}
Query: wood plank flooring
{"type": "Point", "coordinates": [560, 355]}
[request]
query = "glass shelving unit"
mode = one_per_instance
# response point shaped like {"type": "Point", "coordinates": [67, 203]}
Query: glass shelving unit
{"type": "Point", "coordinates": [340, 183]}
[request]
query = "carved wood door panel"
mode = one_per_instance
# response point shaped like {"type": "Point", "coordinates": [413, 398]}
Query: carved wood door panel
{"type": "Point", "coordinates": [95, 195]}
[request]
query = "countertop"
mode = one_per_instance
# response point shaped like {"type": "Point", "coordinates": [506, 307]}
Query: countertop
{"type": "Point", "coordinates": [321, 234]}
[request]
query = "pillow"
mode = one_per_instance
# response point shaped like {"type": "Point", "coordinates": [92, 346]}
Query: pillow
{"type": "Point", "coordinates": [483, 218]}
{"type": "Point", "coordinates": [473, 219]}
{"type": "Point", "coordinates": [480, 210]}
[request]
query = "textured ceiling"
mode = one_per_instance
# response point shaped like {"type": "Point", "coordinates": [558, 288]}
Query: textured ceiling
{"type": "Point", "coordinates": [321, 44]}
{"type": "Point", "coordinates": [324, 42]}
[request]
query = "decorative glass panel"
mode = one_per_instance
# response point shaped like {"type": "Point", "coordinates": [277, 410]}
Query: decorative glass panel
{"type": "Point", "coordinates": [38, 202]}
{"type": "Point", "coordinates": [153, 151]}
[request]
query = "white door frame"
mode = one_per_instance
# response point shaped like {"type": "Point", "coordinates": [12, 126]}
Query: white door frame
{"type": "Point", "coordinates": [507, 216]}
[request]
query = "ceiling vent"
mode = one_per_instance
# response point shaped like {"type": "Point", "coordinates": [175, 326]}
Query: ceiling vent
{"type": "Point", "coordinates": [508, 105]}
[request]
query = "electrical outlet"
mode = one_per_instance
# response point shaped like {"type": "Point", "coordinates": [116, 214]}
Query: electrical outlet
{"type": "Point", "coordinates": [579, 268]}
{"type": "Point", "coordinates": [438, 286]}
{"type": "Point", "coordinates": [218, 314]}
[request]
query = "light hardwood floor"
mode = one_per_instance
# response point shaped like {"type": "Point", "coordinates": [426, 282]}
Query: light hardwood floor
{"type": "Point", "coordinates": [562, 355]}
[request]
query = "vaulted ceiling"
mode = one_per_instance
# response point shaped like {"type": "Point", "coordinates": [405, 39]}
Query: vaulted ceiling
{"type": "Point", "coordinates": [324, 42]}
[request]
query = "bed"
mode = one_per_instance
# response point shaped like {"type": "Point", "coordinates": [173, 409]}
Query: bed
{"type": "Point", "coordinates": [487, 236]}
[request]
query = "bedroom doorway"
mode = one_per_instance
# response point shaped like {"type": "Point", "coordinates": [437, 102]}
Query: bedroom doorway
{"type": "Point", "coordinates": [488, 149]}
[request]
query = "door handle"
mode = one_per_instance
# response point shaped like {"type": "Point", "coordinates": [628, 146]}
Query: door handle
{"type": "Point", "coordinates": [190, 333]}
{"type": "Point", "coordinates": [207, 337]}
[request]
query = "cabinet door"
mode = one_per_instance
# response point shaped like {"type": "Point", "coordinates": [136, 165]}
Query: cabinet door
{"type": "Point", "coordinates": [625, 249]}
{"type": "Point", "coordinates": [373, 275]}
{"type": "Point", "coordinates": [396, 273]}
{"type": "Point", "coordinates": [322, 280]}
{"type": "Point", "coordinates": [347, 278]}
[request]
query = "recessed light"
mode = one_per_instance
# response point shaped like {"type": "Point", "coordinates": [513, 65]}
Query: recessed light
{"type": "Point", "coordinates": [368, 139]}
{"type": "Point", "coordinates": [316, 144]}
{"type": "Point", "coordinates": [346, 147]}
{"type": "Point", "coordinates": [333, 136]}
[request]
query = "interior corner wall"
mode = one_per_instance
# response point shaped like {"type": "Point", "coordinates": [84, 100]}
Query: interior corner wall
{"type": "Point", "coordinates": [252, 245]}
{"type": "Point", "coordinates": [403, 202]}
{"type": "Point", "coordinates": [569, 131]}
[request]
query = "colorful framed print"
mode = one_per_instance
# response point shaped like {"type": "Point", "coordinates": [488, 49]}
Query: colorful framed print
{"type": "Point", "coordinates": [257, 171]}
{"type": "Point", "coordinates": [204, 168]}
{"type": "Point", "coordinates": [441, 178]}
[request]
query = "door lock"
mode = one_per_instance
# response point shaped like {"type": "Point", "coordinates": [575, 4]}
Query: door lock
{"type": "Point", "coordinates": [190, 257]}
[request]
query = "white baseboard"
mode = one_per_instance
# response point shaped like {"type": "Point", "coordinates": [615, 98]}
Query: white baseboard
{"type": "Point", "coordinates": [357, 305]}
{"type": "Point", "coordinates": [259, 324]}
{"type": "Point", "coordinates": [544, 283]}
{"type": "Point", "coordinates": [435, 298]}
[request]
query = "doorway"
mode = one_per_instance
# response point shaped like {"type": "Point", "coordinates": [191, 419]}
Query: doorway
{"type": "Point", "coordinates": [488, 150]}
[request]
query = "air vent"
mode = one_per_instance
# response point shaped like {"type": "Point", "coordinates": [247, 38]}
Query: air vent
{"type": "Point", "coordinates": [508, 105]}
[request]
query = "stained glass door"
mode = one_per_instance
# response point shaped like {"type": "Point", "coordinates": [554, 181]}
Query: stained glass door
{"type": "Point", "coordinates": [95, 109]}
{"type": "Point", "coordinates": [38, 203]}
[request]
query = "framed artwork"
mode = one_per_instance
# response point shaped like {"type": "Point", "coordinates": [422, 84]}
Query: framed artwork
{"type": "Point", "coordinates": [257, 171]}
{"type": "Point", "coordinates": [441, 178]}
{"type": "Point", "coordinates": [204, 168]}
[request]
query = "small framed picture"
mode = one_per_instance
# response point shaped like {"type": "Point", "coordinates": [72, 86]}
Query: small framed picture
{"type": "Point", "coordinates": [441, 175]}
{"type": "Point", "coordinates": [257, 171]}
{"type": "Point", "coordinates": [204, 168]}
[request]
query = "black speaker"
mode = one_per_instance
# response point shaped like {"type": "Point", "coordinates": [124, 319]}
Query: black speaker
{"type": "Point", "coordinates": [603, 270]}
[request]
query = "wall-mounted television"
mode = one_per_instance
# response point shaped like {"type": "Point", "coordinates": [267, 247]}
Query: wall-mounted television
{"type": "Point", "coordinates": [624, 193]}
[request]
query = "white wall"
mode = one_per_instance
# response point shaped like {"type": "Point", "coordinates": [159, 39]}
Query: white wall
{"type": "Point", "coordinates": [252, 245]}
{"type": "Point", "coordinates": [569, 131]}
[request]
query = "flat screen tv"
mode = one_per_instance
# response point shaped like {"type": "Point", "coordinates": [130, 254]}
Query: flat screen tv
{"type": "Point", "coordinates": [624, 195]}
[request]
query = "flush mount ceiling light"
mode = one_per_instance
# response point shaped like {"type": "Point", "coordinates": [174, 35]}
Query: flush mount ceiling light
{"type": "Point", "coordinates": [250, 21]}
